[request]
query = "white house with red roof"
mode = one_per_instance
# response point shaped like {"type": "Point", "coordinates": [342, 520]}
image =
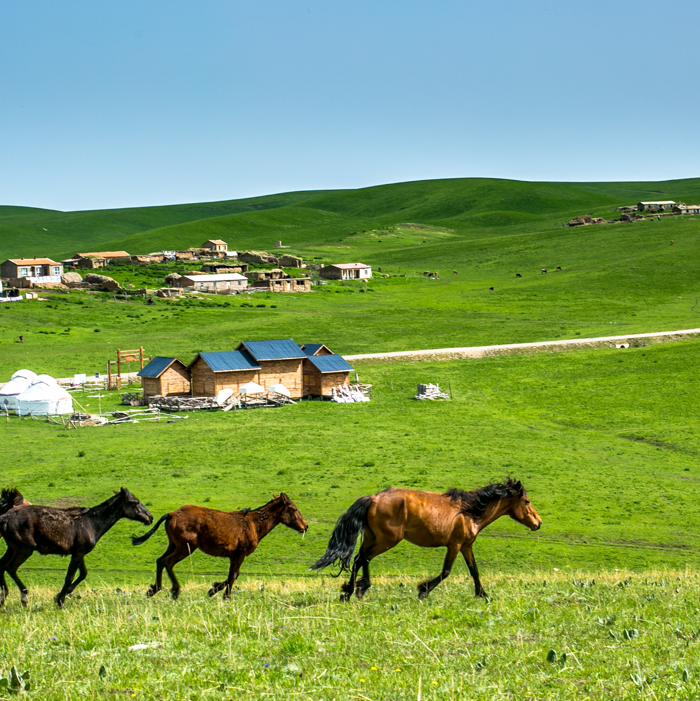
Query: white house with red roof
{"type": "Point", "coordinates": [347, 271]}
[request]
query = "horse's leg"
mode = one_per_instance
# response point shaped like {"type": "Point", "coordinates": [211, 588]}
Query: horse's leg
{"type": "Point", "coordinates": [4, 560]}
{"type": "Point", "coordinates": [70, 575]}
{"type": "Point", "coordinates": [12, 566]}
{"type": "Point", "coordinates": [182, 552]}
{"type": "Point", "coordinates": [80, 578]}
{"type": "Point", "coordinates": [233, 571]}
{"type": "Point", "coordinates": [160, 563]}
{"type": "Point", "coordinates": [468, 554]}
{"type": "Point", "coordinates": [424, 588]}
{"type": "Point", "coordinates": [371, 547]}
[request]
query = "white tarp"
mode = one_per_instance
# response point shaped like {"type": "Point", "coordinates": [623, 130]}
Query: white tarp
{"type": "Point", "coordinates": [250, 388]}
{"type": "Point", "coordinates": [223, 396]}
{"type": "Point", "coordinates": [280, 389]}
{"type": "Point", "coordinates": [17, 384]}
{"type": "Point", "coordinates": [44, 396]}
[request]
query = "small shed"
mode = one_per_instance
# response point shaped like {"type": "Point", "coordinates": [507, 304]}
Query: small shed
{"type": "Point", "coordinates": [101, 259]}
{"type": "Point", "coordinates": [212, 372]}
{"type": "Point", "coordinates": [165, 377]}
{"type": "Point", "coordinates": [346, 271]}
{"type": "Point", "coordinates": [280, 362]}
{"type": "Point", "coordinates": [686, 208]}
{"type": "Point", "coordinates": [299, 284]}
{"type": "Point", "coordinates": [324, 372]}
{"type": "Point", "coordinates": [216, 245]}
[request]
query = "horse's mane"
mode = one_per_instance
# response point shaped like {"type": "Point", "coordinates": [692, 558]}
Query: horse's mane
{"type": "Point", "coordinates": [474, 503]}
{"type": "Point", "coordinates": [9, 498]}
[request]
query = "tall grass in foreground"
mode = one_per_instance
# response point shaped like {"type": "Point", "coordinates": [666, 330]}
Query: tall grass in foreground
{"type": "Point", "coordinates": [617, 635]}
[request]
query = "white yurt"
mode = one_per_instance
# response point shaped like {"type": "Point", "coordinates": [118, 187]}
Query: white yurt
{"type": "Point", "coordinates": [44, 396]}
{"type": "Point", "coordinates": [17, 384]}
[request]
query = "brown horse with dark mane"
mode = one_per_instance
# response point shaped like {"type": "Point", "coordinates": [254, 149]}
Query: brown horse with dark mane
{"type": "Point", "coordinates": [451, 520]}
{"type": "Point", "coordinates": [49, 531]}
{"type": "Point", "coordinates": [230, 534]}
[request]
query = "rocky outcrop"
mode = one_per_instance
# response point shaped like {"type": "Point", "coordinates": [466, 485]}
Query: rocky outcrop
{"type": "Point", "coordinates": [259, 257]}
{"type": "Point", "coordinates": [102, 282]}
{"type": "Point", "coordinates": [71, 278]}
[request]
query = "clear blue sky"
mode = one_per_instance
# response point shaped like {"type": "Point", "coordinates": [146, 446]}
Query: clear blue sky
{"type": "Point", "coordinates": [152, 102]}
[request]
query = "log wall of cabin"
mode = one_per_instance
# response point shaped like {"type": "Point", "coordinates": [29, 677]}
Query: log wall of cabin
{"type": "Point", "coordinates": [330, 380]}
{"type": "Point", "coordinates": [312, 380]}
{"type": "Point", "coordinates": [285, 372]}
{"type": "Point", "coordinates": [175, 380]}
{"type": "Point", "coordinates": [234, 379]}
{"type": "Point", "coordinates": [207, 383]}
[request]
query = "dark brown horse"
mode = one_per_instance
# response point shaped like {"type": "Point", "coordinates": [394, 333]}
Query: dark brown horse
{"type": "Point", "coordinates": [451, 520]}
{"type": "Point", "coordinates": [11, 499]}
{"type": "Point", "coordinates": [230, 534]}
{"type": "Point", "coordinates": [50, 531]}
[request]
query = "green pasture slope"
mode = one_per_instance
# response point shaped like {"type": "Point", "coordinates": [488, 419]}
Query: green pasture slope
{"type": "Point", "coordinates": [605, 441]}
{"type": "Point", "coordinates": [618, 279]}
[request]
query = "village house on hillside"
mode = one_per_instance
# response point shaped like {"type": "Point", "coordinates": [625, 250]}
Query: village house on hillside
{"type": "Point", "coordinates": [346, 271]}
{"type": "Point", "coordinates": [225, 283]}
{"type": "Point", "coordinates": [659, 206]}
{"type": "Point", "coordinates": [216, 245]}
{"type": "Point", "coordinates": [101, 259]}
{"type": "Point", "coordinates": [34, 270]}
{"type": "Point", "coordinates": [681, 208]}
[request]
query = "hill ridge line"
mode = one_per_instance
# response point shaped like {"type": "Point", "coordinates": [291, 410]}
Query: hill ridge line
{"type": "Point", "coordinates": [482, 351]}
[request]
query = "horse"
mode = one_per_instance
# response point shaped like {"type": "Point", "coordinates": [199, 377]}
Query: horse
{"type": "Point", "coordinates": [453, 520]}
{"type": "Point", "coordinates": [11, 499]}
{"type": "Point", "coordinates": [518, 275]}
{"type": "Point", "coordinates": [49, 531]}
{"type": "Point", "coordinates": [544, 271]}
{"type": "Point", "coordinates": [230, 534]}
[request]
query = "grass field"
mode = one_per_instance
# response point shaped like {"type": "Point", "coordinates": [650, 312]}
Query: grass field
{"type": "Point", "coordinates": [547, 636]}
{"type": "Point", "coordinates": [606, 441]}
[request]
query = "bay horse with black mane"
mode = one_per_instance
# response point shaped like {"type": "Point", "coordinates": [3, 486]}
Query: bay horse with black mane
{"type": "Point", "coordinates": [50, 531]}
{"type": "Point", "coordinates": [451, 520]}
{"type": "Point", "coordinates": [230, 534]}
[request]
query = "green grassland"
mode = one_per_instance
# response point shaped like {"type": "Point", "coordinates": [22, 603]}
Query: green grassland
{"type": "Point", "coordinates": [546, 636]}
{"type": "Point", "coordinates": [606, 441]}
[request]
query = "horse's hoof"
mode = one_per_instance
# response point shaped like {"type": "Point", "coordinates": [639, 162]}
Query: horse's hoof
{"type": "Point", "coordinates": [175, 594]}
{"type": "Point", "coordinates": [212, 591]}
{"type": "Point", "coordinates": [59, 602]}
{"type": "Point", "coordinates": [422, 594]}
{"type": "Point", "coordinates": [151, 592]}
{"type": "Point", "coordinates": [345, 596]}
{"type": "Point", "coordinates": [24, 600]}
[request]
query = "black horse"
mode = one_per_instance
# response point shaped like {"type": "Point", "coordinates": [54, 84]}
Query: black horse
{"type": "Point", "coordinates": [73, 532]}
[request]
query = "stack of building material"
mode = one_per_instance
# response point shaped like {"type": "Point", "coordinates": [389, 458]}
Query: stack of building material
{"type": "Point", "coordinates": [430, 392]}
{"type": "Point", "coordinates": [182, 403]}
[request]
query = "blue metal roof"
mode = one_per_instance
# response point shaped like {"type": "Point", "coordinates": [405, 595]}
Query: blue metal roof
{"type": "Point", "coordinates": [230, 360]}
{"type": "Point", "coordinates": [311, 348]}
{"type": "Point", "coordinates": [156, 367]}
{"type": "Point", "coordinates": [330, 363]}
{"type": "Point", "coordinates": [273, 350]}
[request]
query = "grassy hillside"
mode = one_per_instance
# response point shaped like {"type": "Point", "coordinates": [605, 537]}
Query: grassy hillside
{"type": "Point", "coordinates": [605, 441]}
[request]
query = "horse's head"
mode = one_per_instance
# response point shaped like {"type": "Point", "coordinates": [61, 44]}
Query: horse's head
{"type": "Point", "coordinates": [291, 516]}
{"type": "Point", "coordinates": [522, 510]}
{"type": "Point", "coordinates": [133, 509]}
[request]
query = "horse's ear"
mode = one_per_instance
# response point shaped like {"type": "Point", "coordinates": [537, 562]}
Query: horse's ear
{"type": "Point", "coordinates": [520, 488]}
{"type": "Point", "coordinates": [285, 498]}
{"type": "Point", "coordinates": [274, 496]}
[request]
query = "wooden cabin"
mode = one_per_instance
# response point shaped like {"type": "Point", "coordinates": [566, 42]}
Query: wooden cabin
{"type": "Point", "coordinates": [324, 372]}
{"type": "Point", "coordinates": [280, 362]}
{"type": "Point", "coordinates": [165, 377]}
{"type": "Point", "coordinates": [212, 372]}
{"type": "Point", "coordinates": [316, 349]}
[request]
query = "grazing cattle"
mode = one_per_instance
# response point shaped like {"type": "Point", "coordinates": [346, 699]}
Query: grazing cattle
{"type": "Point", "coordinates": [544, 271]}
{"type": "Point", "coordinates": [451, 520]}
{"type": "Point", "coordinates": [518, 275]}
{"type": "Point", "coordinates": [491, 288]}
{"type": "Point", "coordinates": [559, 267]}
{"type": "Point", "coordinates": [426, 272]}
{"type": "Point", "coordinates": [230, 534]}
{"type": "Point", "coordinates": [50, 531]}
{"type": "Point", "coordinates": [454, 272]}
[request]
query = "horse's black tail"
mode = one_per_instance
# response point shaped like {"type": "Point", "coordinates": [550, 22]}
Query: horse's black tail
{"type": "Point", "coordinates": [142, 539]}
{"type": "Point", "coordinates": [341, 546]}
{"type": "Point", "coordinates": [10, 498]}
